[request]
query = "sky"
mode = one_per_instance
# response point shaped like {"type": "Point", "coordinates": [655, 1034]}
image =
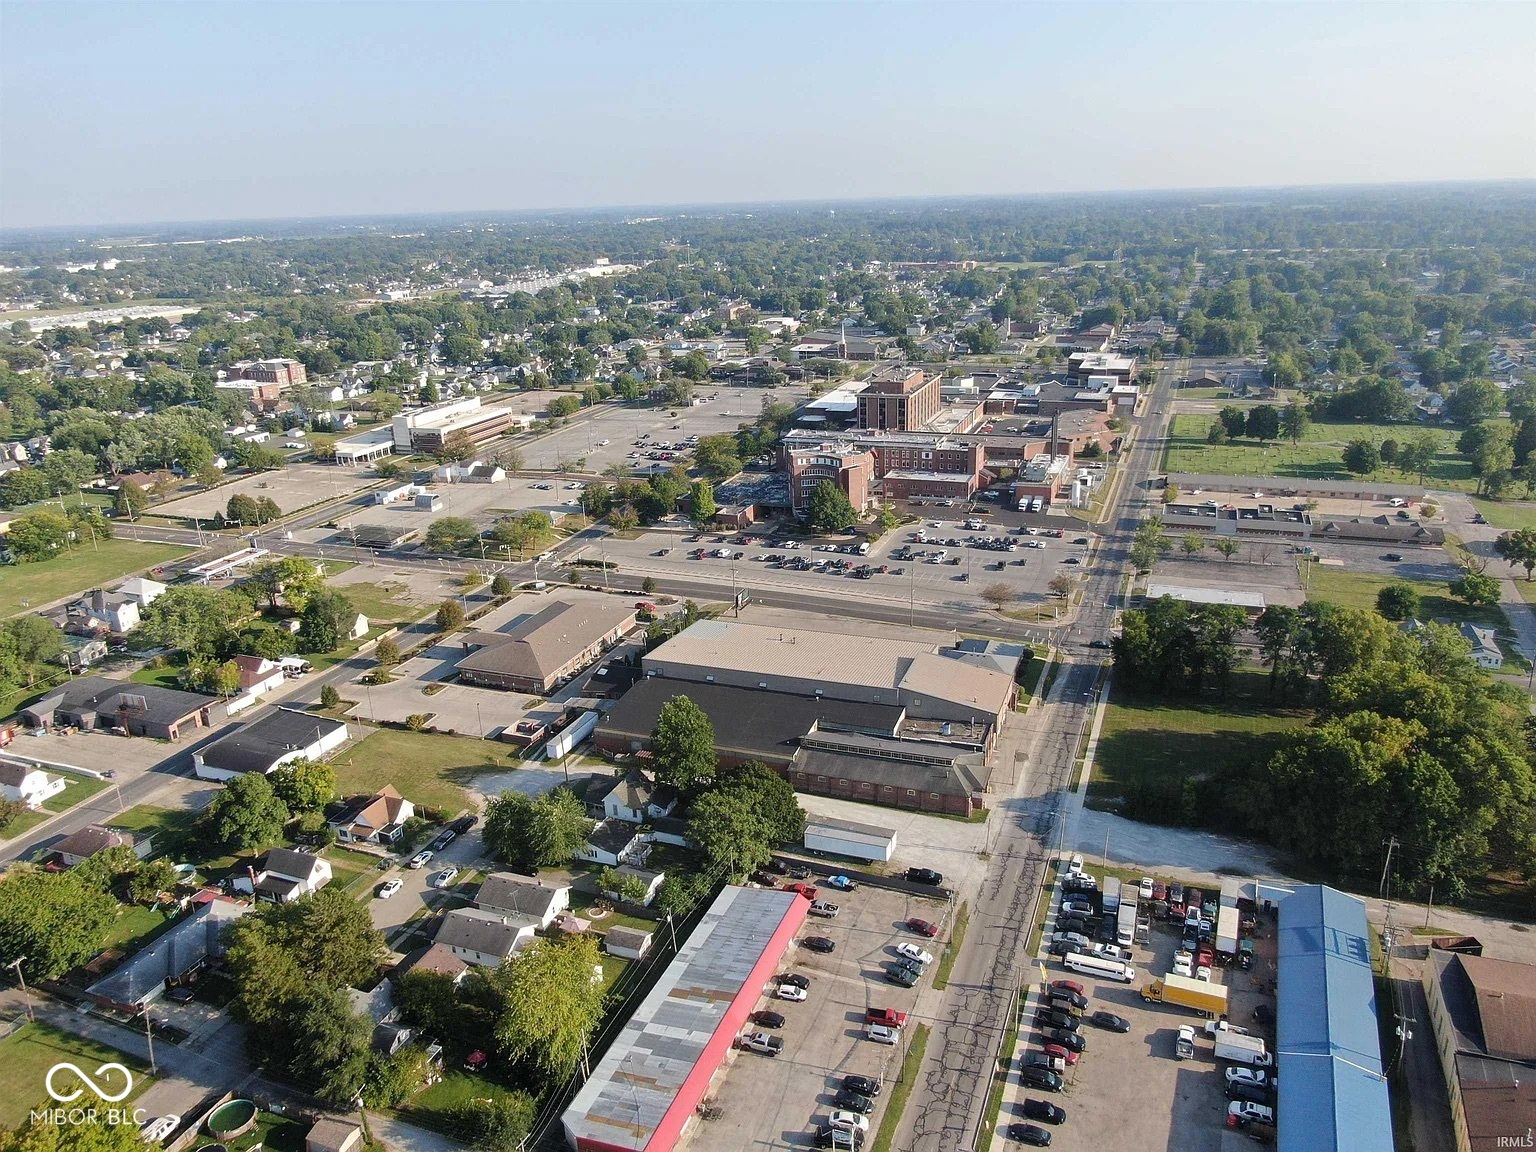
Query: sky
{"type": "Point", "coordinates": [119, 113]}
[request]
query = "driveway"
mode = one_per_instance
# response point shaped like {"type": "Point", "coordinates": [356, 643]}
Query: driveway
{"type": "Point", "coordinates": [418, 894]}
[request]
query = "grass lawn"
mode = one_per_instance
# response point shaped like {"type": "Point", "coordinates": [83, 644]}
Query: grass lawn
{"type": "Point", "coordinates": [1507, 513]}
{"type": "Point", "coordinates": [135, 924]}
{"type": "Point", "coordinates": [384, 604]}
{"type": "Point", "coordinates": [28, 1053]}
{"type": "Point", "coordinates": [431, 770]}
{"type": "Point", "coordinates": [24, 586]}
{"type": "Point", "coordinates": [1318, 456]}
{"type": "Point", "coordinates": [1149, 742]}
{"type": "Point", "coordinates": [176, 839]}
{"type": "Point", "coordinates": [437, 1107]}
{"type": "Point", "coordinates": [1358, 590]}
{"type": "Point", "coordinates": [350, 869]}
{"type": "Point", "coordinates": [165, 676]}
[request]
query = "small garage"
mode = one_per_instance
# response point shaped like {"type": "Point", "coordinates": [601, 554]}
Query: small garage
{"type": "Point", "coordinates": [846, 838]}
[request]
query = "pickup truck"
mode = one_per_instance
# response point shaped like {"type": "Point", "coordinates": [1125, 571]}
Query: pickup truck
{"type": "Point", "coordinates": [763, 1042]}
{"type": "Point", "coordinates": [887, 1016]}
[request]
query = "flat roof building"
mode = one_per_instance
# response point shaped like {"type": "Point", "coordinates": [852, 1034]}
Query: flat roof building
{"type": "Point", "coordinates": [95, 702]}
{"type": "Point", "coordinates": [647, 1087]}
{"type": "Point", "coordinates": [899, 397]}
{"type": "Point", "coordinates": [277, 737]}
{"type": "Point", "coordinates": [425, 429]}
{"type": "Point", "coordinates": [1253, 601]}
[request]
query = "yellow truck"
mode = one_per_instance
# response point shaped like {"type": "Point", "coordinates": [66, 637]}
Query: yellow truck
{"type": "Point", "coordinates": [1201, 995]}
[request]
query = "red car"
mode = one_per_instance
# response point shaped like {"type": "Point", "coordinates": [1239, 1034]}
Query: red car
{"type": "Point", "coordinates": [1205, 957]}
{"type": "Point", "coordinates": [1068, 986]}
{"type": "Point", "coordinates": [1060, 1053]}
{"type": "Point", "coordinates": [887, 1016]}
{"type": "Point", "coordinates": [923, 927]}
{"type": "Point", "coordinates": [805, 890]}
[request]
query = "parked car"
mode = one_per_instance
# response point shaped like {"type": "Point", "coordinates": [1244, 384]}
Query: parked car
{"type": "Point", "coordinates": [924, 876]}
{"type": "Point", "coordinates": [791, 992]}
{"type": "Point", "coordinates": [766, 1019]}
{"type": "Point", "coordinates": [794, 979]}
{"type": "Point", "coordinates": [464, 823]}
{"type": "Point", "coordinates": [444, 838]}
{"type": "Point", "coordinates": [1071, 904]}
{"type": "Point", "coordinates": [390, 887]}
{"type": "Point", "coordinates": [883, 1033]}
{"type": "Point", "coordinates": [1044, 1110]}
{"type": "Point", "coordinates": [841, 883]}
{"type": "Point", "coordinates": [1055, 1018]}
{"type": "Point", "coordinates": [823, 909]}
{"type": "Point", "coordinates": [762, 1042]}
{"type": "Point", "coordinates": [1145, 890]}
{"type": "Point", "coordinates": [798, 872]}
{"type": "Point", "coordinates": [853, 1102]}
{"type": "Point", "coordinates": [838, 1139]}
{"type": "Point", "coordinates": [913, 952]}
{"type": "Point", "coordinates": [1067, 1038]}
{"type": "Point", "coordinates": [1246, 1110]}
{"type": "Point", "coordinates": [1041, 1078]}
{"type": "Point", "coordinates": [818, 944]}
{"type": "Point", "coordinates": [1251, 1093]}
{"type": "Point", "coordinates": [420, 859]}
{"type": "Point", "coordinates": [766, 879]}
{"type": "Point", "coordinates": [1072, 986]}
{"type": "Point", "coordinates": [1110, 1022]}
{"type": "Point", "coordinates": [901, 977]}
{"type": "Point", "coordinates": [1240, 1075]}
{"type": "Point", "coordinates": [923, 927]}
{"type": "Point", "coordinates": [446, 877]}
{"type": "Point", "coordinates": [1031, 1134]}
{"type": "Point", "coordinates": [1059, 1052]}
{"type": "Point", "coordinates": [1066, 999]}
{"type": "Point", "coordinates": [849, 1121]}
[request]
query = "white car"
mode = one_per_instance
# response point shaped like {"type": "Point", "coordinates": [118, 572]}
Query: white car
{"type": "Point", "coordinates": [1182, 968]}
{"type": "Point", "coordinates": [913, 952]}
{"type": "Point", "coordinates": [849, 1122]}
{"type": "Point", "coordinates": [1255, 1076]}
{"type": "Point", "coordinates": [390, 887]}
{"type": "Point", "coordinates": [602, 443]}
{"type": "Point", "coordinates": [1145, 891]}
{"type": "Point", "coordinates": [1076, 864]}
{"type": "Point", "coordinates": [446, 877]}
{"type": "Point", "coordinates": [159, 1128]}
{"type": "Point", "coordinates": [790, 992]}
{"type": "Point", "coordinates": [1247, 1110]}
{"type": "Point", "coordinates": [1112, 952]}
{"type": "Point", "coordinates": [1203, 973]}
{"type": "Point", "coordinates": [420, 859]}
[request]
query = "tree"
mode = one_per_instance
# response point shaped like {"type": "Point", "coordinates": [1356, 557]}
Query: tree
{"type": "Point", "coordinates": [542, 832]}
{"type": "Point", "coordinates": [770, 796]}
{"type": "Point", "coordinates": [565, 405]}
{"type": "Point", "coordinates": [292, 579]}
{"type": "Point", "coordinates": [980, 339]}
{"type": "Point", "coordinates": [625, 886]}
{"type": "Point", "coordinates": [150, 879]}
{"type": "Point", "coordinates": [1399, 601]}
{"type": "Point", "coordinates": [450, 615]}
{"type": "Point", "coordinates": [209, 475]}
{"type": "Point", "coordinates": [326, 621]}
{"type": "Point", "coordinates": [331, 1046]}
{"type": "Point", "coordinates": [248, 814]}
{"type": "Point", "coordinates": [1518, 547]}
{"type": "Point", "coordinates": [1263, 422]}
{"type": "Point", "coordinates": [1192, 543]}
{"type": "Point", "coordinates": [450, 533]}
{"type": "Point", "coordinates": [999, 595]}
{"type": "Point", "coordinates": [90, 1131]}
{"type": "Point", "coordinates": [52, 919]}
{"type": "Point", "coordinates": [457, 447]}
{"type": "Point", "coordinates": [596, 500]}
{"type": "Point", "coordinates": [1294, 421]}
{"type": "Point", "coordinates": [386, 652]}
{"type": "Point", "coordinates": [130, 499]}
{"type": "Point", "coordinates": [1227, 547]}
{"type": "Point", "coordinates": [730, 833]}
{"type": "Point", "coordinates": [38, 536]}
{"type": "Point", "coordinates": [1234, 421]}
{"type": "Point", "coordinates": [1060, 586]}
{"type": "Point", "coordinates": [193, 619]}
{"type": "Point", "coordinates": [683, 745]}
{"type": "Point", "coordinates": [499, 1122]}
{"type": "Point", "coordinates": [702, 495]}
{"type": "Point", "coordinates": [1389, 450]}
{"type": "Point", "coordinates": [549, 1005]}
{"type": "Point", "coordinates": [1148, 543]}
{"type": "Point", "coordinates": [623, 519]}
{"type": "Point", "coordinates": [1475, 588]}
{"type": "Point", "coordinates": [304, 785]}
{"type": "Point", "coordinates": [830, 509]}
{"type": "Point", "coordinates": [242, 509]}
{"type": "Point", "coordinates": [1361, 457]}
{"type": "Point", "coordinates": [329, 696]}
{"type": "Point", "coordinates": [1474, 401]}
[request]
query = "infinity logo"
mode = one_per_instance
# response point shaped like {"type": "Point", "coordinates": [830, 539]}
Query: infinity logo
{"type": "Point", "coordinates": [69, 1097]}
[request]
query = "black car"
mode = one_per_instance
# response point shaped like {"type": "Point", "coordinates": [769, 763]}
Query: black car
{"type": "Point", "coordinates": [924, 876]}
{"type": "Point", "coordinates": [853, 1101]}
{"type": "Point", "coordinates": [818, 944]}
{"type": "Point", "coordinates": [1064, 999]}
{"type": "Point", "coordinates": [767, 878]}
{"type": "Point", "coordinates": [1045, 1110]}
{"type": "Point", "coordinates": [907, 964]}
{"type": "Point", "coordinates": [768, 1019]}
{"type": "Point", "coordinates": [1098, 644]}
{"type": "Point", "coordinates": [1056, 1018]}
{"type": "Point", "coordinates": [1041, 1078]}
{"type": "Point", "coordinates": [1253, 1093]}
{"type": "Point", "coordinates": [796, 979]}
{"type": "Point", "coordinates": [778, 867]}
{"type": "Point", "coordinates": [1071, 1040]}
{"type": "Point", "coordinates": [1074, 923]}
{"type": "Point", "coordinates": [1079, 884]}
{"type": "Point", "coordinates": [863, 1085]}
{"type": "Point", "coordinates": [1031, 1134]}
{"type": "Point", "coordinates": [901, 976]}
{"type": "Point", "coordinates": [444, 838]}
{"type": "Point", "coordinates": [1110, 1022]}
{"type": "Point", "coordinates": [464, 823]}
{"type": "Point", "coordinates": [838, 1138]}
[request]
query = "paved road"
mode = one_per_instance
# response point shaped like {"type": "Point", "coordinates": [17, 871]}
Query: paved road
{"type": "Point", "coordinates": [947, 1105]}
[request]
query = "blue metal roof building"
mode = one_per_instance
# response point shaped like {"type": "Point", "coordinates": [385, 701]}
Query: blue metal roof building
{"type": "Point", "coordinates": [1333, 1094]}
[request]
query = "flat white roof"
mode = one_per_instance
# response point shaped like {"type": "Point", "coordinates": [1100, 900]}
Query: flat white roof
{"type": "Point", "coordinates": [1192, 595]}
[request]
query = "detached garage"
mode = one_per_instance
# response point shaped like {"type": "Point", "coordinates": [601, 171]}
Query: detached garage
{"type": "Point", "coordinates": [845, 838]}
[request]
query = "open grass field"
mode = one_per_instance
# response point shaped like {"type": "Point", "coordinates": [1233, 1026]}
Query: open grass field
{"type": "Point", "coordinates": [176, 838]}
{"type": "Point", "coordinates": [1510, 514]}
{"type": "Point", "coordinates": [30, 586]}
{"type": "Point", "coordinates": [135, 925]}
{"type": "Point", "coordinates": [1149, 741]}
{"type": "Point", "coordinates": [1318, 456]}
{"type": "Point", "coordinates": [76, 789]}
{"type": "Point", "coordinates": [1359, 589]}
{"type": "Point", "coordinates": [28, 1053]}
{"type": "Point", "coordinates": [432, 770]}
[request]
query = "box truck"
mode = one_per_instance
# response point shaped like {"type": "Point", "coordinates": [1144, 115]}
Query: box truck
{"type": "Point", "coordinates": [1201, 995]}
{"type": "Point", "coordinates": [1241, 1049]}
{"type": "Point", "coordinates": [1111, 895]}
{"type": "Point", "coordinates": [1226, 932]}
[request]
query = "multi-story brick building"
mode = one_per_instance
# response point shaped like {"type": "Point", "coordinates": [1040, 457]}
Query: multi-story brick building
{"type": "Point", "coordinates": [852, 469]}
{"type": "Point", "coordinates": [901, 398]}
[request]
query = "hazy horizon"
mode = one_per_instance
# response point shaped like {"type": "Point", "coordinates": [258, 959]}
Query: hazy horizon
{"type": "Point", "coordinates": [281, 112]}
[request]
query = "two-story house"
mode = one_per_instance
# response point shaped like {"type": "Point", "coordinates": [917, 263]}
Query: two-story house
{"type": "Point", "coordinates": [286, 874]}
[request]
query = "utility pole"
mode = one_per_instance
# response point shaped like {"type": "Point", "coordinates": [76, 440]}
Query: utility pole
{"type": "Point", "coordinates": [1386, 867]}
{"type": "Point", "coordinates": [149, 1034]}
{"type": "Point", "coordinates": [25, 991]}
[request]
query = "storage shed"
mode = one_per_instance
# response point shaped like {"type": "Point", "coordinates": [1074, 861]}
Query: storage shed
{"type": "Point", "coordinates": [847, 838]}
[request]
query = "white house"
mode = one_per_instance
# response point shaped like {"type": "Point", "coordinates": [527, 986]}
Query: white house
{"type": "Point", "coordinates": [615, 842]}
{"type": "Point", "coordinates": [1485, 647]}
{"type": "Point", "coordinates": [286, 874]}
{"type": "Point", "coordinates": [635, 799]}
{"type": "Point", "coordinates": [24, 784]}
{"type": "Point", "coordinates": [258, 676]}
{"type": "Point", "coordinates": [508, 894]}
{"type": "Point", "coordinates": [376, 819]}
{"type": "Point", "coordinates": [359, 628]}
{"type": "Point", "coordinates": [485, 938]}
{"type": "Point", "coordinates": [143, 592]}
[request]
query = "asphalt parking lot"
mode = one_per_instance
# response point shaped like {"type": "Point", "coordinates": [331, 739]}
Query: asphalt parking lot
{"type": "Point", "coordinates": [1128, 1092]}
{"type": "Point", "coordinates": [778, 1102]}
{"type": "Point", "coordinates": [291, 488]}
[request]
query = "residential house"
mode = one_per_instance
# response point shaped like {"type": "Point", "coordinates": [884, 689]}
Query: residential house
{"type": "Point", "coordinates": [615, 842]}
{"type": "Point", "coordinates": [359, 627]}
{"type": "Point", "coordinates": [437, 958]}
{"type": "Point", "coordinates": [258, 676]}
{"type": "Point", "coordinates": [628, 943]}
{"type": "Point", "coordinates": [286, 874]}
{"type": "Point", "coordinates": [376, 819]}
{"type": "Point", "coordinates": [173, 958]}
{"type": "Point", "coordinates": [78, 847]}
{"type": "Point", "coordinates": [508, 894]}
{"type": "Point", "coordinates": [633, 798]}
{"type": "Point", "coordinates": [1485, 647]}
{"type": "Point", "coordinates": [650, 882]}
{"type": "Point", "coordinates": [95, 702]}
{"type": "Point", "coordinates": [80, 652]}
{"type": "Point", "coordinates": [276, 738]}
{"type": "Point", "coordinates": [27, 784]}
{"type": "Point", "coordinates": [484, 938]}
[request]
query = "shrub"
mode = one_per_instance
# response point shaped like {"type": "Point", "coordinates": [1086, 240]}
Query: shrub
{"type": "Point", "coordinates": [417, 721]}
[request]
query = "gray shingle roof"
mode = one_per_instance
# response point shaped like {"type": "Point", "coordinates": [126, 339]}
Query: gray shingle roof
{"type": "Point", "coordinates": [256, 746]}
{"type": "Point", "coordinates": [171, 955]}
{"type": "Point", "coordinates": [488, 933]}
{"type": "Point", "coordinates": [539, 646]}
{"type": "Point", "coordinates": [506, 892]}
{"type": "Point", "coordinates": [104, 697]}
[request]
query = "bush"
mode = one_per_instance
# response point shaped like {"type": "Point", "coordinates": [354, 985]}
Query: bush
{"type": "Point", "coordinates": [450, 615]}
{"type": "Point", "coordinates": [502, 585]}
{"type": "Point", "coordinates": [417, 721]}
{"type": "Point", "coordinates": [329, 697]}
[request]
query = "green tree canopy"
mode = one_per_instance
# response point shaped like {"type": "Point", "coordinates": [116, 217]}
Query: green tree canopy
{"type": "Point", "coordinates": [683, 745]}
{"type": "Point", "coordinates": [326, 620]}
{"type": "Point", "coordinates": [52, 919]}
{"type": "Point", "coordinates": [830, 509]}
{"type": "Point", "coordinates": [549, 1004]}
{"type": "Point", "coordinates": [247, 814]}
{"type": "Point", "coordinates": [536, 832]}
